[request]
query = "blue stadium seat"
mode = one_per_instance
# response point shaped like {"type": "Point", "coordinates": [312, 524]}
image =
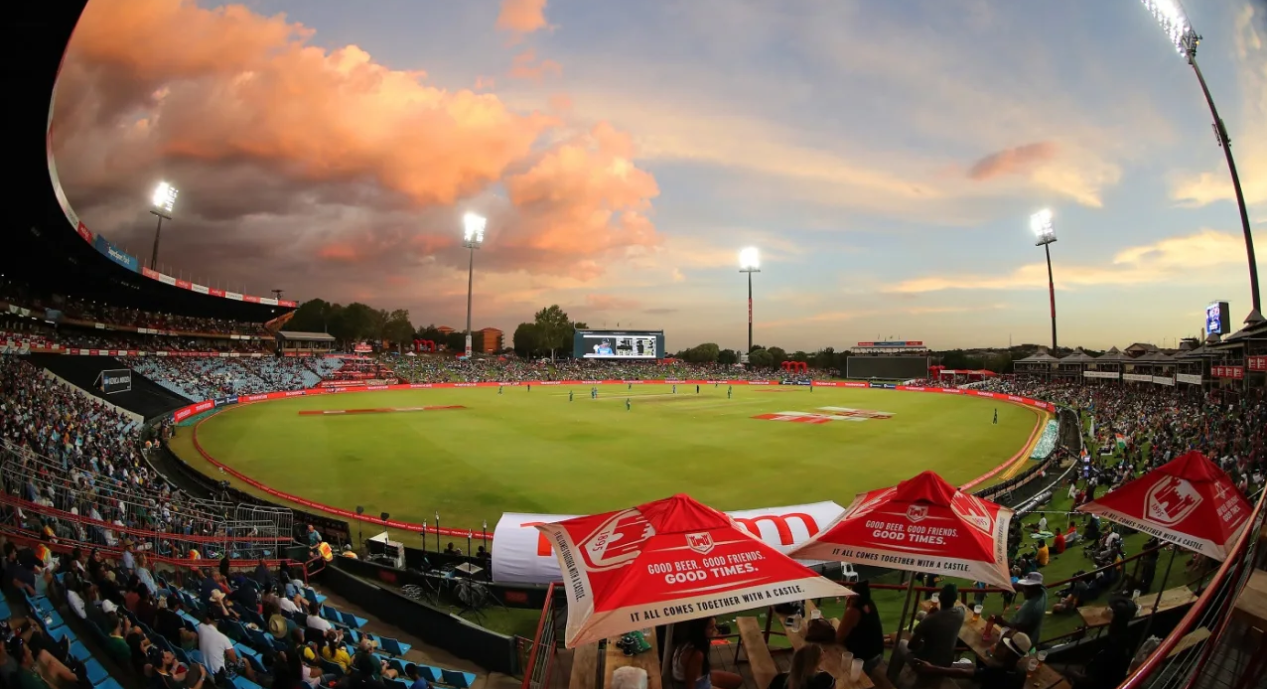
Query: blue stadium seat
{"type": "Point", "coordinates": [431, 674]}
{"type": "Point", "coordinates": [457, 680]}
{"type": "Point", "coordinates": [96, 673]}
{"type": "Point", "coordinates": [109, 683]}
{"type": "Point", "coordinates": [352, 620]}
{"type": "Point", "coordinates": [243, 683]}
{"type": "Point", "coordinates": [78, 652]}
{"type": "Point", "coordinates": [392, 647]}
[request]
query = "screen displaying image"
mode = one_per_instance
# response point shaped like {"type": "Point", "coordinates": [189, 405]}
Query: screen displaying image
{"type": "Point", "coordinates": [618, 345]}
{"type": "Point", "coordinates": [1215, 317]}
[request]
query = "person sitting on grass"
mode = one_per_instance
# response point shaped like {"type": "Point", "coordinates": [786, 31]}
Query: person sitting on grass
{"type": "Point", "coordinates": [1042, 555]}
{"type": "Point", "coordinates": [1075, 596]}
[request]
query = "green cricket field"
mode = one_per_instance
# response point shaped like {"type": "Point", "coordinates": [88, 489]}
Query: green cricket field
{"type": "Point", "coordinates": [541, 450]}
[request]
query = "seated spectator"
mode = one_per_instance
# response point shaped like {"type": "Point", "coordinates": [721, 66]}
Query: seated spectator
{"type": "Point", "coordinates": [416, 680]}
{"type": "Point", "coordinates": [1075, 596]}
{"type": "Point", "coordinates": [860, 631]}
{"type": "Point", "coordinates": [935, 638]}
{"type": "Point", "coordinates": [218, 654]}
{"type": "Point", "coordinates": [116, 645]}
{"type": "Point", "coordinates": [1007, 674]}
{"type": "Point", "coordinates": [1042, 555]}
{"type": "Point", "coordinates": [335, 651]}
{"type": "Point", "coordinates": [169, 623]}
{"type": "Point", "coordinates": [805, 672]}
{"type": "Point", "coordinates": [316, 621]}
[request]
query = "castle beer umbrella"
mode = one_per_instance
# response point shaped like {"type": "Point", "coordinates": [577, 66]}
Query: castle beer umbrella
{"type": "Point", "coordinates": [922, 524]}
{"type": "Point", "coordinates": [1188, 501]}
{"type": "Point", "coordinates": [669, 561]}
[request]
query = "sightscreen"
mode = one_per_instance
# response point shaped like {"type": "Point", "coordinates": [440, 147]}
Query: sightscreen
{"type": "Point", "coordinates": [888, 367]}
{"type": "Point", "coordinates": [618, 344]}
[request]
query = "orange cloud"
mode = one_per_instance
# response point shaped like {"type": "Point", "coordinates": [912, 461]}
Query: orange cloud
{"type": "Point", "coordinates": [582, 200]}
{"type": "Point", "coordinates": [522, 16]}
{"type": "Point", "coordinates": [339, 251]}
{"type": "Point", "coordinates": [608, 302]}
{"type": "Point", "coordinates": [281, 147]}
{"type": "Point", "coordinates": [1012, 161]}
{"type": "Point", "coordinates": [526, 66]}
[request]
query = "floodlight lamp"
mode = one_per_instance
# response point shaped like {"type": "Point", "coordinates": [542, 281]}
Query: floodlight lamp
{"type": "Point", "coordinates": [1040, 223]}
{"type": "Point", "coordinates": [473, 229]}
{"type": "Point", "coordinates": [749, 259]}
{"type": "Point", "coordinates": [1174, 22]}
{"type": "Point", "coordinates": [165, 197]}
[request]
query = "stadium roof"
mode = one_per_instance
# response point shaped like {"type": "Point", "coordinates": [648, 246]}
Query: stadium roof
{"type": "Point", "coordinates": [1078, 355]}
{"type": "Point", "coordinates": [43, 249]}
{"type": "Point", "coordinates": [305, 337]}
{"type": "Point", "coordinates": [1113, 354]}
{"type": "Point", "coordinates": [1040, 357]}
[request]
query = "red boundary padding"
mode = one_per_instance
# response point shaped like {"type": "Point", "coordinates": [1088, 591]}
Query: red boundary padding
{"type": "Point", "coordinates": [186, 412]}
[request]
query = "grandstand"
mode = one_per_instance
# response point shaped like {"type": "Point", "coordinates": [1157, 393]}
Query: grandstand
{"type": "Point", "coordinates": [86, 478]}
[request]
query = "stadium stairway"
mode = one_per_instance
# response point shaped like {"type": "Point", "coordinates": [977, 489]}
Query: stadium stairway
{"type": "Point", "coordinates": [146, 398]}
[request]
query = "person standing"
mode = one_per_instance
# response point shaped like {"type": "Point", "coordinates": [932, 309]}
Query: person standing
{"type": "Point", "coordinates": [730, 391]}
{"type": "Point", "coordinates": [499, 389]}
{"type": "Point", "coordinates": [1029, 619]}
{"type": "Point", "coordinates": [697, 389]}
{"type": "Point", "coordinates": [628, 404]}
{"type": "Point", "coordinates": [996, 416]}
{"type": "Point", "coordinates": [569, 395]}
{"type": "Point", "coordinates": [675, 388]}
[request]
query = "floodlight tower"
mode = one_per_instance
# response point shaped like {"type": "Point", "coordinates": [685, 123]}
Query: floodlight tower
{"type": "Point", "coordinates": [164, 200]}
{"type": "Point", "coordinates": [749, 262]}
{"type": "Point", "coordinates": [472, 237]}
{"type": "Point", "coordinates": [1173, 20]}
{"type": "Point", "coordinates": [1045, 235]}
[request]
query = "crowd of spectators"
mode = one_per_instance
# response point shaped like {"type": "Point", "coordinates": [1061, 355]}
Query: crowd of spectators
{"type": "Point", "coordinates": [445, 369]}
{"type": "Point", "coordinates": [69, 451]}
{"type": "Point", "coordinates": [204, 378]}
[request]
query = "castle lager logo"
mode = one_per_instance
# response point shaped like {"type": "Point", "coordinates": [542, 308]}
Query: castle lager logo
{"type": "Point", "coordinates": [618, 541]}
{"type": "Point", "coordinates": [701, 543]}
{"type": "Point", "coordinates": [1171, 500]}
{"type": "Point", "coordinates": [826, 415]}
{"type": "Point", "coordinates": [917, 513]}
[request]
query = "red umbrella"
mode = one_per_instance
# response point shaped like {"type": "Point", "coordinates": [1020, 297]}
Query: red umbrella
{"type": "Point", "coordinates": [668, 561]}
{"type": "Point", "coordinates": [1188, 501]}
{"type": "Point", "coordinates": [922, 524]}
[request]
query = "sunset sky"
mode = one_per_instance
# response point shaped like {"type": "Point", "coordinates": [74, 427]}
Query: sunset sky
{"type": "Point", "coordinates": [884, 156]}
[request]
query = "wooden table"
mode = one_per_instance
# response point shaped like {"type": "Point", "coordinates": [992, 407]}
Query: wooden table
{"type": "Point", "coordinates": [1100, 616]}
{"type": "Point", "coordinates": [760, 662]}
{"type": "Point", "coordinates": [647, 661]}
{"type": "Point", "coordinates": [833, 660]}
{"type": "Point", "coordinates": [1251, 605]}
{"type": "Point", "coordinates": [972, 633]}
{"type": "Point", "coordinates": [1189, 640]}
{"type": "Point", "coordinates": [584, 667]}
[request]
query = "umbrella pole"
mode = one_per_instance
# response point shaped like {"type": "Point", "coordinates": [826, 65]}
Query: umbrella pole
{"type": "Point", "coordinates": [1148, 624]}
{"type": "Point", "coordinates": [901, 621]}
{"type": "Point", "coordinates": [666, 660]}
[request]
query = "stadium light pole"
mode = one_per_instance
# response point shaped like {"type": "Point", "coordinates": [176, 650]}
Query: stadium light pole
{"type": "Point", "coordinates": [1045, 234]}
{"type": "Point", "coordinates": [749, 262]}
{"type": "Point", "coordinates": [1173, 20]}
{"type": "Point", "coordinates": [472, 237]}
{"type": "Point", "coordinates": [164, 201]}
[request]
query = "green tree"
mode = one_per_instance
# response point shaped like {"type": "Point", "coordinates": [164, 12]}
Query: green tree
{"type": "Point", "coordinates": [728, 357]}
{"type": "Point", "coordinates": [799, 355]}
{"type": "Point", "coordinates": [312, 316]}
{"type": "Point", "coordinates": [398, 330]}
{"type": "Point", "coordinates": [760, 358]}
{"type": "Point", "coordinates": [777, 356]}
{"type": "Point", "coordinates": [554, 328]}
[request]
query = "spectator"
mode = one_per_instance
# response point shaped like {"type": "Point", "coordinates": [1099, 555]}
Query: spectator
{"type": "Point", "coordinates": [805, 672]}
{"type": "Point", "coordinates": [860, 631]}
{"type": "Point", "coordinates": [691, 666]}
{"type": "Point", "coordinates": [416, 681]}
{"type": "Point", "coordinates": [934, 638]}
{"type": "Point", "coordinates": [1007, 674]}
{"type": "Point", "coordinates": [1029, 618]}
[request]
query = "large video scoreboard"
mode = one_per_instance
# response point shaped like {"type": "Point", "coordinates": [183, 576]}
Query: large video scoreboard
{"type": "Point", "coordinates": [618, 344]}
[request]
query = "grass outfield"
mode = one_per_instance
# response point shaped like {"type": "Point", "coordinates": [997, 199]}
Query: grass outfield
{"type": "Point", "coordinates": [534, 451]}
